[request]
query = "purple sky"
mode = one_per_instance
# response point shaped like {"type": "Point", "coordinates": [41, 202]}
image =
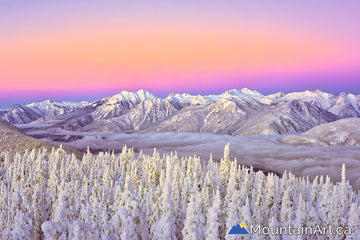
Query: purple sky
{"type": "Point", "coordinates": [92, 49]}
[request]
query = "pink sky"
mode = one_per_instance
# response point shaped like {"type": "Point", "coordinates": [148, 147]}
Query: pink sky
{"type": "Point", "coordinates": [68, 50]}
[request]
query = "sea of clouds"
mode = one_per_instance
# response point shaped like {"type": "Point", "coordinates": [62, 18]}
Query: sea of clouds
{"type": "Point", "coordinates": [263, 152]}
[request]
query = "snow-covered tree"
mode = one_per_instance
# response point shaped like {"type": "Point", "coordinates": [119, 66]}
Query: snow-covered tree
{"type": "Point", "coordinates": [194, 221]}
{"type": "Point", "coordinates": [54, 195]}
{"type": "Point", "coordinates": [300, 212]}
{"type": "Point", "coordinates": [354, 222]}
{"type": "Point", "coordinates": [22, 226]}
{"type": "Point", "coordinates": [286, 212]}
{"type": "Point", "coordinates": [213, 218]}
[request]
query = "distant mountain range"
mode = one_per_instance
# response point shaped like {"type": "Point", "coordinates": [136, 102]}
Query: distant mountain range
{"type": "Point", "coordinates": [234, 112]}
{"type": "Point", "coordinates": [47, 109]}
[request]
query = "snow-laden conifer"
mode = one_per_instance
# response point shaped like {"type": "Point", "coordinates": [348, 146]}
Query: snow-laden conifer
{"type": "Point", "coordinates": [213, 224]}
{"type": "Point", "coordinates": [194, 221]}
{"type": "Point", "coordinates": [54, 195]}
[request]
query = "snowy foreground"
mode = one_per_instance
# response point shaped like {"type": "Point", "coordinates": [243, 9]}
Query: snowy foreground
{"type": "Point", "coordinates": [136, 196]}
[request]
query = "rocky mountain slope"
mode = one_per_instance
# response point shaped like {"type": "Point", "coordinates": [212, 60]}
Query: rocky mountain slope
{"type": "Point", "coordinates": [49, 109]}
{"type": "Point", "coordinates": [341, 132]}
{"type": "Point", "coordinates": [101, 114]}
{"type": "Point", "coordinates": [20, 115]}
{"type": "Point", "coordinates": [234, 112]}
{"type": "Point", "coordinates": [139, 117]}
{"type": "Point", "coordinates": [227, 117]}
{"type": "Point", "coordinates": [38, 111]}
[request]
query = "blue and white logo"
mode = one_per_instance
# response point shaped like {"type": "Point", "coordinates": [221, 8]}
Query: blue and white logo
{"type": "Point", "coordinates": [239, 229]}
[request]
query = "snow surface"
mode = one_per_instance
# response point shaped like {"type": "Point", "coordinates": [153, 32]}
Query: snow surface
{"type": "Point", "coordinates": [52, 109]}
{"type": "Point", "coordinates": [187, 99]}
{"type": "Point", "coordinates": [321, 99]}
{"type": "Point", "coordinates": [244, 94]}
{"type": "Point", "coordinates": [341, 132]}
{"type": "Point", "coordinates": [354, 101]}
{"type": "Point", "coordinates": [132, 98]}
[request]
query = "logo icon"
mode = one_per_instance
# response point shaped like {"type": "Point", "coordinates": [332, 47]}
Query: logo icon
{"type": "Point", "coordinates": [239, 229]}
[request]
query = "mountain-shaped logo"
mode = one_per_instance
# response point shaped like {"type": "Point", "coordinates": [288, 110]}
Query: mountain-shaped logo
{"type": "Point", "coordinates": [239, 229]}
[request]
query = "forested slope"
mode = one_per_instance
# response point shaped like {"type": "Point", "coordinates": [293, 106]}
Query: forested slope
{"type": "Point", "coordinates": [14, 140]}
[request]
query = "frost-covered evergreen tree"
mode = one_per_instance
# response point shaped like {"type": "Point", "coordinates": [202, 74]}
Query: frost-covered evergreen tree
{"type": "Point", "coordinates": [194, 221]}
{"type": "Point", "coordinates": [22, 226]}
{"type": "Point", "coordinates": [165, 227]}
{"type": "Point", "coordinates": [286, 211]}
{"type": "Point", "coordinates": [301, 212]}
{"type": "Point", "coordinates": [213, 218]}
{"type": "Point", "coordinates": [54, 195]}
{"type": "Point", "coordinates": [354, 222]}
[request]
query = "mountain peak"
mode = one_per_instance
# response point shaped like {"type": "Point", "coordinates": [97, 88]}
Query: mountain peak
{"type": "Point", "coordinates": [145, 94]}
{"type": "Point", "coordinates": [241, 90]}
{"type": "Point", "coordinates": [313, 91]}
{"type": "Point", "coordinates": [342, 94]}
{"type": "Point", "coordinates": [245, 90]}
{"type": "Point", "coordinates": [276, 95]}
{"type": "Point", "coordinates": [131, 97]}
{"type": "Point", "coordinates": [142, 91]}
{"type": "Point", "coordinates": [16, 106]}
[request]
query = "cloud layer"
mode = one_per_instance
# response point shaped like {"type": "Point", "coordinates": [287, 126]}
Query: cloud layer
{"type": "Point", "coordinates": [264, 152]}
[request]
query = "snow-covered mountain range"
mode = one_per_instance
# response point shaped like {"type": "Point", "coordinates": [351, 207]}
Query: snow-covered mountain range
{"type": "Point", "coordinates": [20, 114]}
{"type": "Point", "coordinates": [51, 109]}
{"type": "Point", "coordinates": [47, 109]}
{"type": "Point", "coordinates": [234, 112]}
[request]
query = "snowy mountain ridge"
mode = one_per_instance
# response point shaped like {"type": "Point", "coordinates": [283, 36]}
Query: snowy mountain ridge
{"type": "Point", "coordinates": [243, 95]}
{"type": "Point", "coordinates": [51, 109]}
{"type": "Point", "coordinates": [322, 99]}
{"type": "Point", "coordinates": [235, 112]}
{"type": "Point", "coordinates": [19, 115]}
{"type": "Point", "coordinates": [339, 133]}
{"type": "Point", "coordinates": [117, 105]}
